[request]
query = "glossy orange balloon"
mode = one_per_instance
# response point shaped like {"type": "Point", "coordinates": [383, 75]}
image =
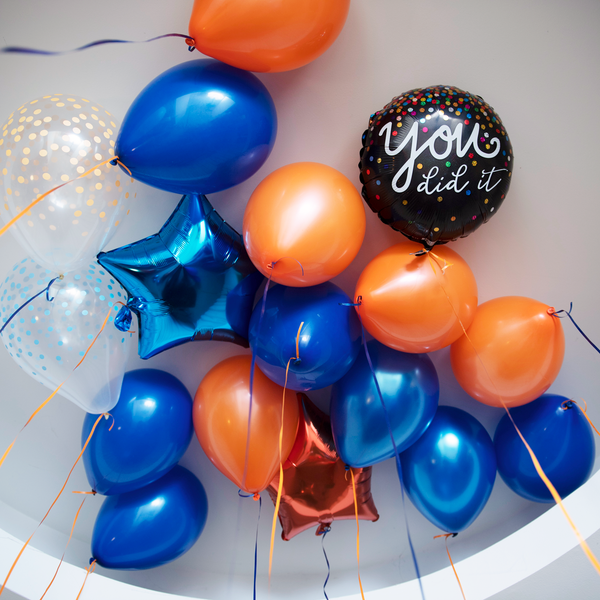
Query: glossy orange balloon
{"type": "Point", "coordinates": [416, 303]}
{"type": "Point", "coordinates": [304, 217]}
{"type": "Point", "coordinates": [266, 35]}
{"type": "Point", "coordinates": [221, 422]}
{"type": "Point", "coordinates": [513, 352]}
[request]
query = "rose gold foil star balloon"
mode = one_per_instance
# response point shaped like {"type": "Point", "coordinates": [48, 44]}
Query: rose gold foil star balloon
{"type": "Point", "coordinates": [317, 488]}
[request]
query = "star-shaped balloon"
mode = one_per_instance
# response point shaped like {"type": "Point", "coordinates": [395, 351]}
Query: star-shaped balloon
{"type": "Point", "coordinates": [317, 488]}
{"type": "Point", "coordinates": [190, 281]}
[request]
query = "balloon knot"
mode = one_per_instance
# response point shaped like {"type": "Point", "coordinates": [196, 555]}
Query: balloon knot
{"type": "Point", "coordinates": [123, 319]}
{"type": "Point", "coordinates": [454, 534]}
{"type": "Point", "coordinates": [552, 311]}
{"type": "Point", "coordinates": [323, 528]}
{"type": "Point", "coordinates": [256, 497]}
{"type": "Point", "coordinates": [92, 560]}
{"type": "Point", "coordinates": [567, 404]}
{"type": "Point", "coordinates": [113, 162]}
{"type": "Point", "coordinates": [191, 43]}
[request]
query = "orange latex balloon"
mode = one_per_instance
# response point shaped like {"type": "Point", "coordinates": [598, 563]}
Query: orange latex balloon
{"type": "Point", "coordinates": [266, 35]}
{"type": "Point", "coordinates": [512, 352]}
{"type": "Point", "coordinates": [416, 303]}
{"type": "Point", "coordinates": [307, 218]}
{"type": "Point", "coordinates": [221, 422]}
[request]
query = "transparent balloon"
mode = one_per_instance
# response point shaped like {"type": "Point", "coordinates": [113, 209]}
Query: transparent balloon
{"type": "Point", "coordinates": [49, 335]}
{"type": "Point", "coordinates": [44, 144]}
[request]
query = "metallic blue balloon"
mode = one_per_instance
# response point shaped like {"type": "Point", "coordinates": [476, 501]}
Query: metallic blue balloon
{"type": "Point", "coordinates": [450, 471]}
{"type": "Point", "coordinates": [410, 389]}
{"type": "Point", "coordinates": [151, 526]}
{"type": "Point", "coordinates": [200, 127]}
{"type": "Point", "coordinates": [559, 436]}
{"type": "Point", "coordinates": [329, 341]}
{"type": "Point", "coordinates": [152, 430]}
{"type": "Point", "coordinates": [190, 281]}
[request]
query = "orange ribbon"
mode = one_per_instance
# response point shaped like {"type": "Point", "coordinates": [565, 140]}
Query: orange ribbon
{"type": "Point", "coordinates": [357, 534]}
{"type": "Point", "coordinates": [583, 410]}
{"type": "Point", "coordinates": [88, 571]}
{"type": "Point", "coordinates": [39, 408]}
{"type": "Point", "coordinates": [280, 487]}
{"type": "Point", "coordinates": [446, 536]}
{"type": "Point", "coordinates": [104, 415]}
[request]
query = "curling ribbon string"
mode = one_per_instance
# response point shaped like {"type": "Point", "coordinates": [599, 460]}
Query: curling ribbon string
{"type": "Point", "coordinates": [42, 196]}
{"type": "Point", "coordinates": [362, 593]}
{"type": "Point", "coordinates": [568, 314]}
{"type": "Point", "coordinates": [68, 541]}
{"type": "Point", "coordinates": [324, 531]}
{"type": "Point", "coordinates": [446, 536]}
{"type": "Point", "coordinates": [259, 500]}
{"type": "Point", "coordinates": [39, 408]}
{"type": "Point", "coordinates": [396, 455]}
{"type": "Point", "coordinates": [280, 486]}
{"type": "Point", "coordinates": [88, 572]}
{"type": "Point", "coordinates": [21, 50]}
{"type": "Point", "coordinates": [569, 403]}
{"type": "Point", "coordinates": [105, 416]}
{"type": "Point", "coordinates": [538, 467]}
{"type": "Point", "coordinates": [46, 289]}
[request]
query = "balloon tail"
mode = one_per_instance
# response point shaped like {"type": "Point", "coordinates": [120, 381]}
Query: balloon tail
{"type": "Point", "coordinates": [42, 196]}
{"type": "Point", "coordinates": [557, 313]}
{"type": "Point", "coordinates": [538, 467]}
{"type": "Point", "coordinates": [323, 531]}
{"type": "Point", "coordinates": [22, 50]}
{"type": "Point", "coordinates": [104, 415]}
{"type": "Point", "coordinates": [362, 593]}
{"type": "Point", "coordinates": [39, 408]}
{"type": "Point", "coordinates": [88, 572]}
{"type": "Point", "coordinates": [68, 541]}
{"type": "Point", "coordinates": [280, 486]}
{"type": "Point", "coordinates": [396, 454]}
{"type": "Point", "coordinates": [568, 404]}
{"type": "Point", "coordinates": [446, 536]}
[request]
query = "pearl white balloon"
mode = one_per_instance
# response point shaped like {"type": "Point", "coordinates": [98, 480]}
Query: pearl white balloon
{"type": "Point", "coordinates": [48, 336]}
{"type": "Point", "coordinates": [44, 144]}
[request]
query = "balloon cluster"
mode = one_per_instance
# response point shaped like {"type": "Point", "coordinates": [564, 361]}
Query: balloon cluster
{"type": "Point", "coordinates": [435, 164]}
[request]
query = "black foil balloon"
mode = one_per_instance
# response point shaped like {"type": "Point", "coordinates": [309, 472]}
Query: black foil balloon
{"type": "Point", "coordinates": [436, 164]}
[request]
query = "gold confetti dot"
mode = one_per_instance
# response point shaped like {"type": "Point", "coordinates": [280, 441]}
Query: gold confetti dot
{"type": "Point", "coordinates": [47, 119]}
{"type": "Point", "coordinates": [453, 218]}
{"type": "Point", "coordinates": [106, 135]}
{"type": "Point", "coordinates": [95, 117]}
{"type": "Point", "coordinates": [79, 190]}
{"type": "Point", "coordinates": [53, 146]}
{"type": "Point", "coordinates": [26, 150]}
{"type": "Point", "coordinates": [32, 136]}
{"type": "Point", "coordinates": [117, 182]}
{"type": "Point", "coordinates": [42, 216]}
{"type": "Point", "coordinates": [8, 191]}
{"type": "Point", "coordinates": [439, 198]}
{"type": "Point", "coordinates": [21, 179]}
{"type": "Point", "coordinates": [102, 215]}
{"type": "Point", "coordinates": [486, 200]}
{"type": "Point", "coordinates": [44, 132]}
{"type": "Point", "coordinates": [37, 111]}
{"type": "Point", "coordinates": [77, 213]}
{"type": "Point", "coordinates": [47, 176]}
{"type": "Point", "coordinates": [61, 104]}
{"type": "Point", "coordinates": [80, 169]}
{"type": "Point", "coordinates": [436, 229]}
{"type": "Point", "coordinates": [127, 195]}
{"type": "Point", "coordinates": [97, 139]}
{"type": "Point", "coordinates": [75, 222]}
{"type": "Point", "coordinates": [91, 202]}
{"type": "Point", "coordinates": [8, 153]}
{"type": "Point", "coordinates": [30, 223]}
{"type": "Point", "coordinates": [474, 163]}
{"type": "Point", "coordinates": [98, 186]}
{"type": "Point", "coordinates": [64, 177]}
{"type": "Point", "coordinates": [102, 123]}
{"type": "Point", "coordinates": [25, 161]}
{"type": "Point", "coordinates": [94, 108]}
{"type": "Point", "coordinates": [98, 156]}
{"type": "Point", "coordinates": [84, 234]}
{"type": "Point", "coordinates": [77, 106]}
{"type": "Point", "coordinates": [73, 161]}
{"type": "Point", "coordinates": [116, 223]}
{"type": "Point", "coordinates": [76, 130]}
{"type": "Point", "coordinates": [405, 202]}
{"type": "Point", "coordinates": [66, 149]}
{"type": "Point", "coordinates": [89, 125]}
{"type": "Point", "coordinates": [97, 172]}
{"type": "Point", "coordinates": [52, 227]}
{"type": "Point", "coordinates": [71, 99]}
{"type": "Point", "coordinates": [115, 202]}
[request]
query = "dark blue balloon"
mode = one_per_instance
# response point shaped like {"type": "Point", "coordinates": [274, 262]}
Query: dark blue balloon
{"type": "Point", "coordinates": [152, 430]}
{"type": "Point", "coordinates": [410, 389]}
{"type": "Point", "coordinates": [151, 526]}
{"type": "Point", "coordinates": [200, 127]}
{"type": "Point", "coordinates": [190, 281]}
{"type": "Point", "coordinates": [329, 341]}
{"type": "Point", "coordinates": [449, 472]}
{"type": "Point", "coordinates": [559, 436]}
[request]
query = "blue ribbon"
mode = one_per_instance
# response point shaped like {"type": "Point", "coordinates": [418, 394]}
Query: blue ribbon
{"type": "Point", "coordinates": [568, 314]}
{"type": "Point", "coordinates": [323, 532]}
{"type": "Point", "coordinates": [242, 495]}
{"type": "Point", "coordinates": [22, 50]}
{"type": "Point", "coordinates": [46, 289]}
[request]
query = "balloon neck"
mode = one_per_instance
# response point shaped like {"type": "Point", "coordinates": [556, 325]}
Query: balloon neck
{"type": "Point", "coordinates": [114, 162]}
{"type": "Point", "coordinates": [191, 44]}
{"type": "Point", "coordinates": [123, 319]}
{"type": "Point", "coordinates": [567, 404]}
{"type": "Point", "coordinates": [551, 311]}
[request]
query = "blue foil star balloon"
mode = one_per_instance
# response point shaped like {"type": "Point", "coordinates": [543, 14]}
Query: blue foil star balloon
{"type": "Point", "coordinates": [190, 281]}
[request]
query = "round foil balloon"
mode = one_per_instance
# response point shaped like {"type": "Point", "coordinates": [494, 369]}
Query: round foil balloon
{"type": "Point", "coordinates": [436, 163]}
{"type": "Point", "coordinates": [48, 336]}
{"type": "Point", "coordinates": [44, 144]}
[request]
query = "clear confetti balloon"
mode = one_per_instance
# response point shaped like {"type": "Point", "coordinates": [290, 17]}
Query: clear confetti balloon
{"type": "Point", "coordinates": [44, 144]}
{"type": "Point", "coordinates": [49, 335]}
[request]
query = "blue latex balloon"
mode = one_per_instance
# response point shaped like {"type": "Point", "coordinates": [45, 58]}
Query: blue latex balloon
{"type": "Point", "coordinates": [152, 430]}
{"type": "Point", "coordinates": [200, 127]}
{"type": "Point", "coordinates": [449, 472]}
{"type": "Point", "coordinates": [559, 436]}
{"type": "Point", "coordinates": [190, 281]}
{"type": "Point", "coordinates": [329, 341]}
{"type": "Point", "coordinates": [151, 526]}
{"type": "Point", "coordinates": [410, 389]}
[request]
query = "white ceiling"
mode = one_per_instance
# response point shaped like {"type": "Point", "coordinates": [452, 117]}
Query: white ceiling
{"type": "Point", "coordinates": [535, 62]}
